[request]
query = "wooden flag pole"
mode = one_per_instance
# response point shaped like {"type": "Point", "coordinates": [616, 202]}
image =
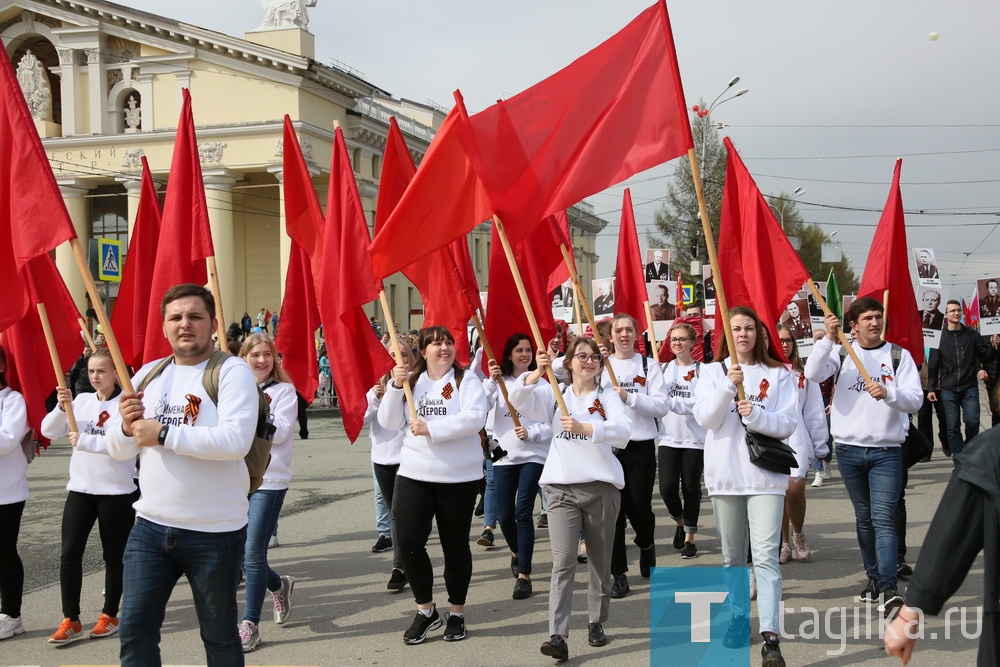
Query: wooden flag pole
{"type": "Point", "coordinates": [532, 322]}
{"type": "Point", "coordinates": [391, 326]}
{"type": "Point", "coordinates": [843, 337]}
{"type": "Point", "coordinates": [488, 351]}
{"type": "Point", "coordinates": [713, 259]}
{"type": "Point", "coordinates": [124, 379]}
{"type": "Point", "coordinates": [213, 275]}
{"type": "Point", "coordinates": [57, 366]}
{"type": "Point", "coordinates": [86, 334]}
{"type": "Point", "coordinates": [885, 318]}
{"type": "Point", "coordinates": [578, 291]}
{"type": "Point", "coordinates": [576, 307]}
{"type": "Point", "coordinates": [652, 333]}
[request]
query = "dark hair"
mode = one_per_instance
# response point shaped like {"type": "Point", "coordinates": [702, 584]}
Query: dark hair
{"type": "Point", "coordinates": [994, 281]}
{"type": "Point", "coordinates": [185, 290]}
{"type": "Point", "coordinates": [3, 362]}
{"type": "Point", "coordinates": [506, 365]}
{"type": "Point", "coordinates": [953, 302]}
{"type": "Point", "coordinates": [428, 336]}
{"type": "Point", "coordinates": [794, 357]}
{"type": "Point", "coordinates": [861, 305]}
{"type": "Point", "coordinates": [568, 365]}
{"type": "Point", "coordinates": [760, 353]}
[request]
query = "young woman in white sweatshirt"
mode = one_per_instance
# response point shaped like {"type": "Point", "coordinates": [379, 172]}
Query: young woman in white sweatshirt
{"type": "Point", "coordinates": [13, 493]}
{"type": "Point", "coordinates": [742, 493]}
{"type": "Point", "coordinates": [583, 480]}
{"type": "Point", "coordinates": [101, 490]}
{"type": "Point", "coordinates": [265, 503]}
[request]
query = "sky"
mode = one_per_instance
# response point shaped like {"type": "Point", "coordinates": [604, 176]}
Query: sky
{"type": "Point", "coordinates": [838, 91]}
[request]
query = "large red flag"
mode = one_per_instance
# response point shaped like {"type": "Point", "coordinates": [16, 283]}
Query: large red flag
{"type": "Point", "coordinates": [615, 111]}
{"type": "Point", "coordinates": [759, 268]}
{"type": "Point", "coordinates": [185, 233]}
{"type": "Point", "coordinates": [29, 366]}
{"type": "Point", "coordinates": [303, 215]}
{"type": "Point", "coordinates": [33, 216]}
{"type": "Point", "coordinates": [129, 319]}
{"type": "Point", "coordinates": [398, 169]}
{"type": "Point", "coordinates": [444, 201]}
{"type": "Point", "coordinates": [357, 357]}
{"type": "Point", "coordinates": [630, 283]}
{"type": "Point", "coordinates": [887, 269]}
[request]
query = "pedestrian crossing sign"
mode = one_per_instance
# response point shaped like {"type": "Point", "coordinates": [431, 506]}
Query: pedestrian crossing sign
{"type": "Point", "coordinates": [109, 264]}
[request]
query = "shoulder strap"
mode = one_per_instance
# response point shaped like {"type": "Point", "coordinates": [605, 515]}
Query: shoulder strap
{"type": "Point", "coordinates": [843, 356]}
{"type": "Point", "coordinates": [897, 355]}
{"type": "Point", "coordinates": [645, 365]}
{"type": "Point", "coordinates": [213, 370]}
{"type": "Point", "coordinates": [697, 368]}
{"type": "Point", "coordinates": [155, 372]}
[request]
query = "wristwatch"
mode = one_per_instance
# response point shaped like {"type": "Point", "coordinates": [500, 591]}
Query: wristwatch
{"type": "Point", "coordinates": [162, 437]}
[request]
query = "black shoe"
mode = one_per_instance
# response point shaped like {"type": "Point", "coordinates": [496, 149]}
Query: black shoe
{"type": "Point", "coordinates": [689, 551]}
{"type": "Point", "coordinates": [771, 652]}
{"type": "Point", "coordinates": [904, 569]}
{"type": "Point", "coordinates": [421, 626]}
{"type": "Point", "coordinates": [679, 538]}
{"type": "Point", "coordinates": [556, 648]}
{"type": "Point", "coordinates": [595, 634]}
{"type": "Point", "coordinates": [947, 451]}
{"type": "Point", "coordinates": [870, 593]}
{"type": "Point", "coordinates": [480, 509]}
{"type": "Point", "coordinates": [890, 601]}
{"type": "Point", "coordinates": [647, 561]}
{"type": "Point", "coordinates": [522, 589]}
{"type": "Point", "coordinates": [738, 633]}
{"type": "Point", "coordinates": [620, 588]}
{"type": "Point", "coordinates": [384, 543]}
{"type": "Point", "coordinates": [303, 435]}
{"type": "Point", "coordinates": [397, 581]}
{"type": "Point", "coordinates": [486, 539]}
{"type": "Point", "coordinates": [513, 566]}
{"type": "Point", "coordinates": [543, 521]}
{"type": "Point", "coordinates": [455, 632]}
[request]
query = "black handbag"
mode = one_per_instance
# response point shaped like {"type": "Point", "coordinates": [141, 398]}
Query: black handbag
{"type": "Point", "coordinates": [916, 447]}
{"type": "Point", "coordinates": [770, 453]}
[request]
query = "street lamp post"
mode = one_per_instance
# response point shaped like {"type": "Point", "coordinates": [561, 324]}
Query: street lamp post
{"type": "Point", "coordinates": [798, 192]}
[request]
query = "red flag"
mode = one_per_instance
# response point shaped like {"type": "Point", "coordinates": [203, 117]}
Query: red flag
{"type": "Point", "coordinates": [185, 233]}
{"type": "Point", "coordinates": [398, 170]}
{"type": "Point", "coordinates": [33, 216]}
{"type": "Point", "coordinates": [129, 318]}
{"type": "Point", "coordinates": [357, 357]}
{"type": "Point", "coordinates": [759, 268]}
{"type": "Point", "coordinates": [887, 269]}
{"type": "Point", "coordinates": [617, 110]}
{"type": "Point", "coordinates": [29, 366]}
{"type": "Point", "coordinates": [680, 292]}
{"type": "Point", "coordinates": [630, 284]}
{"type": "Point", "coordinates": [443, 202]}
{"type": "Point", "coordinates": [303, 215]}
{"type": "Point", "coordinates": [972, 317]}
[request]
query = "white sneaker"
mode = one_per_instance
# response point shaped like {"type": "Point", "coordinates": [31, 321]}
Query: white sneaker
{"type": "Point", "coordinates": [784, 554]}
{"type": "Point", "coordinates": [273, 542]}
{"type": "Point", "coordinates": [802, 550]}
{"type": "Point", "coordinates": [249, 636]}
{"type": "Point", "coordinates": [826, 472]}
{"type": "Point", "coordinates": [283, 600]}
{"type": "Point", "coordinates": [819, 477]}
{"type": "Point", "coordinates": [10, 626]}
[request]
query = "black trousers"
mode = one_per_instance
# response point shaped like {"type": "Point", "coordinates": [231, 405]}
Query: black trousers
{"type": "Point", "coordinates": [114, 516]}
{"type": "Point", "coordinates": [925, 422]}
{"type": "Point", "coordinates": [417, 503]}
{"type": "Point", "coordinates": [638, 460]}
{"type": "Point", "coordinates": [680, 472]}
{"type": "Point", "coordinates": [11, 567]}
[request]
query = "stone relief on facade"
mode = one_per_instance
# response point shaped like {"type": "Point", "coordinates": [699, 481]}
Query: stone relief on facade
{"type": "Point", "coordinates": [35, 86]}
{"type": "Point", "coordinates": [121, 50]}
{"type": "Point", "coordinates": [282, 14]}
{"type": "Point", "coordinates": [132, 158]}
{"type": "Point", "coordinates": [133, 115]}
{"type": "Point", "coordinates": [211, 151]}
{"type": "Point", "coordinates": [279, 148]}
{"type": "Point", "coordinates": [305, 144]}
{"type": "Point", "coordinates": [115, 77]}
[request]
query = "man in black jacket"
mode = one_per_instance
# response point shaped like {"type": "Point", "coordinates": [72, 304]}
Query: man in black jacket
{"type": "Point", "coordinates": [956, 368]}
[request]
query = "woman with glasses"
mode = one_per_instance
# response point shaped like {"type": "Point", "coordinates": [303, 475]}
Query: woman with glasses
{"type": "Point", "coordinates": [810, 441]}
{"type": "Point", "coordinates": [743, 494]}
{"type": "Point", "coordinates": [682, 448]}
{"type": "Point", "coordinates": [583, 481]}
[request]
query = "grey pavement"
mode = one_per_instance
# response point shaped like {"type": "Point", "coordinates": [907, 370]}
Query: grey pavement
{"type": "Point", "coordinates": [343, 615]}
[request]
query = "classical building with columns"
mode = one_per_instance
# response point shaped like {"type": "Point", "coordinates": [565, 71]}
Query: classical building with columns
{"type": "Point", "coordinates": [104, 81]}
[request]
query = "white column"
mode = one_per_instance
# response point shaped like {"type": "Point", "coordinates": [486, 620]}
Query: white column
{"type": "Point", "coordinates": [68, 68]}
{"type": "Point", "coordinates": [98, 89]}
{"type": "Point", "coordinates": [219, 193]}
{"type": "Point", "coordinates": [73, 191]}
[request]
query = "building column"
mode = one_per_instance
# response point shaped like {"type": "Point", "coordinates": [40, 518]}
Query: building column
{"type": "Point", "coordinates": [69, 61]}
{"type": "Point", "coordinates": [133, 186]}
{"type": "Point", "coordinates": [98, 90]}
{"type": "Point", "coordinates": [219, 193]}
{"type": "Point", "coordinates": [73, 191]}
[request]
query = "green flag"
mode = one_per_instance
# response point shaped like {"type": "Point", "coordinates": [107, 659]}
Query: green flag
{"type": "Point", "coordinates": [833, 295]}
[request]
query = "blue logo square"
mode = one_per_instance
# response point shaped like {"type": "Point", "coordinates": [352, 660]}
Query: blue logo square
{"type": "Point", "coordinates": [690, 609]}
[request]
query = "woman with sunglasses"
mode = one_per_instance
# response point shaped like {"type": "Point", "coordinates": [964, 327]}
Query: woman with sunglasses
{"type": "Point", "coordinates": [743, 494]}
{"type": "Point", "coordinates": [583, 480]}
{"type": "Point", "coordinates": [682, 448]}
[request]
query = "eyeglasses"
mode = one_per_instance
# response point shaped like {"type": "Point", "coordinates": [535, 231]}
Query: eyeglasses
{"type": "Point", "coordinates": [787, 341]}
{"type": "Point", "coordinates": [679, 340]}
{"type": "Point", "coordinates": [584, 358]}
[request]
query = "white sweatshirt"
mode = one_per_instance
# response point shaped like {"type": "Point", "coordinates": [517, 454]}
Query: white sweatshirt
{"type": "Point", "coordinates": [810, 440]}
{"type": "Point", "coordinates": [386, 443]}
{"type": "Point", "coordinates": [91, 468]}
{"type": "Point", "coordinates": [574, 458]}
{"type": "Point", "coordinates": [728, 470]}
{"type": "Point", "coordinates": [855, 417]}
{"type": "Point", "coordinates": [647, 394]}
{"type": "Point", "coordinates": [453, 452]}
{"type": "Point", "coordinates": [197, 480]}
{"type": "Point", "coordinates": [13, 465]}
{"type": "Point", "coordinates": [284, 404]}
{"type": "Point", "coordinates": [679, 428]}
{"type": "Point", "coordinates": [535, 448]}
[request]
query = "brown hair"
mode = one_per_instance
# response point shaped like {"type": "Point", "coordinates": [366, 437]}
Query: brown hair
{"type": "Point", "coordinates": [568, 362]}
{"type": "Point", "coordinates": [760, 353]}
{"type": "Point", "coordinates": [794, 357]}
{"type": "Point", "coordinates": [185, 290]}
{"type": "Point", "coordinates": [686, 328]}
{"type": "Point", "coordinates": [428, 336]}
{"type": "Point", "coordinates": [278, 373]}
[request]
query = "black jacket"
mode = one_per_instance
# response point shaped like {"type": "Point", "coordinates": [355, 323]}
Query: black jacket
{"type": "Point", "coordinates": [954, 364]}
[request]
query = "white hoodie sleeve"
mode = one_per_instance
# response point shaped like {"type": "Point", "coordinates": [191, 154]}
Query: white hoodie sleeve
{"type": "Point", "coordinates": [713, 397]}
{"type": "Point", "coordinates": [653, 403]}
{"type": "Point", "coordinates": [392, 411]}
{"type": "Point", "coordinates": [905, 394]}
{"type": "Point", "coordinates": [814, 418]}
{"type": "Point", "coordinates": [823, 361]}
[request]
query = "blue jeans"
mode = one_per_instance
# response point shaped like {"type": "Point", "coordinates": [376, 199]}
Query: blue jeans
{"type": "Point", "coordinates": [155, 558]}
{"type": "Point", "coordinates": [874, 477]}
{"type": "Point", "coordinates": [966, 401]}
{"type": "Point", "coordinates": [515, 489]}
{"type": "Point", "coordinates": [383, 524]}
{"type": "Point", "coordinates": [263, 518]}
{"type": "Point", "coordinates": [490, 498]}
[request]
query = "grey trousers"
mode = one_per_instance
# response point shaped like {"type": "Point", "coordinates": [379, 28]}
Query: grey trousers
{"type": "Point", "coordinates": [593, 508]}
